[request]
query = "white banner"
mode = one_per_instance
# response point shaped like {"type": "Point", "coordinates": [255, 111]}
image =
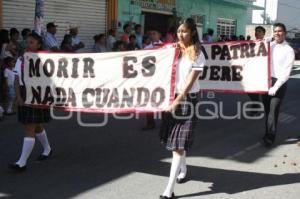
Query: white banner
{"type": "Point", "coordinates": [242, 66]}
{"type": "Point", "coordinates": [133, 81]}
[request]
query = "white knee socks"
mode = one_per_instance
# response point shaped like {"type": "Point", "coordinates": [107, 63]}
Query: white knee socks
{"type": "Point", "coordinates": [28, 145]}
{"type": "Point", "coordinates": [42, 137]}
{"type": "Point", "coordinates": [176, 162]}
{"type": "Point", "coordinates": [10, 106]}
{"type": "Point", "coordinates": [183, 169]}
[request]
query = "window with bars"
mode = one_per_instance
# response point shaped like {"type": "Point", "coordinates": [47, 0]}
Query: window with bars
{"type": "Point", "coordinates": [226, 27]}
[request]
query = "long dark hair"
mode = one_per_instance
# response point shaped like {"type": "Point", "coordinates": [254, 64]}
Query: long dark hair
{"type": "Point", "coordinates": [65, 40]}
{"type": "Point", "coordinates": [37, 37]}
{"type": "Point", "coordinates": [193, 50]}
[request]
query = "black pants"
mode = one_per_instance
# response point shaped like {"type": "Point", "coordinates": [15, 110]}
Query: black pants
{"type": "Point", "coordinates": [254, 98]}
{"type": "Point", "coordinates": [150, 119]}
{"type": "Point", "coordinates": [272, 106]}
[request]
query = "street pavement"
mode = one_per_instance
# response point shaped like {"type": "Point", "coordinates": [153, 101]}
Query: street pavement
{"type": "Point", "coordinates": [119, 161]}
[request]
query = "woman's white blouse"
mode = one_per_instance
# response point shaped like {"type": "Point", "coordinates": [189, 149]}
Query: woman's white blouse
{"type": "Point", "coordinates": [184, 67]}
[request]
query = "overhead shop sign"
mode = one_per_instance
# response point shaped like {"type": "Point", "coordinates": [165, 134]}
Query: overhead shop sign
{"type": "Point", "coordinates": [166, 5]}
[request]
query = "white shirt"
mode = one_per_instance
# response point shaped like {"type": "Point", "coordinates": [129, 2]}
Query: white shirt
{"type": "Point", "coordinates": [50, 41]}
{"type": "Point", "coordinates": [184, 67]}
{"type": "Point", "coordinates": [282, 61]}
{"type": "Point", "coordinates": [10, 76]}
{"type": "Point", "coordinates": [18, 71]}
{"type": "Point", "coordinates": [110, 42]}
{"type": "Point", "coordinates": [75, 40]}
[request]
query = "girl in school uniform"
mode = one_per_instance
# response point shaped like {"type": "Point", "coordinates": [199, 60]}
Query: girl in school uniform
{"type": "Point", "coordinates": [32, 118]}
{"type": "Point", "coordinates": [177, 129]}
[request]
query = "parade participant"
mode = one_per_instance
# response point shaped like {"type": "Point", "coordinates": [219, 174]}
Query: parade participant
{"type": "Point", "coordinates": [259, 34]}
{"type": "Point", "coordinates": [32, 118]}
{"type": "Point", "coordinates": [179, 119]}
{"type": "Point", "coordinates": [282, 60]}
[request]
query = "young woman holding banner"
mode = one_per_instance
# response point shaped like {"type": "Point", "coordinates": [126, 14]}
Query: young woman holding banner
{"type": "Point", "coordinates": [32, 118]}
{"type": "Point", "coordinates": [177, 130]}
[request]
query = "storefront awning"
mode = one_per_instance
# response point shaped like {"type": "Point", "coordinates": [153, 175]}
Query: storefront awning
{"type": "Point", "coordinates": [246, 3]}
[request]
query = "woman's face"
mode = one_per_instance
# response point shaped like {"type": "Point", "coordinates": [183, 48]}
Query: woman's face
{"type": "Point", "coordinates": [33, 44]}
{"type": "Point", "coordinates": [184, 34]}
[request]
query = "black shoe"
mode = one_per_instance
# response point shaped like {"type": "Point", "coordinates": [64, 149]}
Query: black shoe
{"type": "Point", "coordinates": [165, 197]}
{"type": "Point", "coordinates": [43, 157]}
{"type": "Point", "coordinates": [17, 167]}
{"type": "Point", "coordinates": [269, 139]}
{"type": "Point", "coordinates": [182, 180]}
{"type": "Point", "coordinates": [148, 127]}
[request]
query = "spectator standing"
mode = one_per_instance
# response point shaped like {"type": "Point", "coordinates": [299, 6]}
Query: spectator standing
{"type": "Point", "coordinates": [99, 46]}
{"type": "Point", "coordinates": [23, 44]}
{"type": "Point", "coordinates": [138, 35]}
{"type": "Point", "coordinates": [111, 39]}
{"type": "Point", "coordinates": [10, 79]}
{"type": "Point", "coordinates": [76, 42]}
{"type": "Point", "coordinates": [50, 41]}
{"type": "Point", "coordinates": [125, 36]}
{"type": "Point", "coordinates": [132, 45]}
{"type": "Point", "coordinates": [210, 34]}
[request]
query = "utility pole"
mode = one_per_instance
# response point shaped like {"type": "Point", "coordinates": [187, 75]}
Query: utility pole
{"type": "Point", "coordinates": [265, 14]}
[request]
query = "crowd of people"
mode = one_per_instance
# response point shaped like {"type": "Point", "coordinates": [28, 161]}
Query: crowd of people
{"type": "Point", "coordinates": [176, 132]}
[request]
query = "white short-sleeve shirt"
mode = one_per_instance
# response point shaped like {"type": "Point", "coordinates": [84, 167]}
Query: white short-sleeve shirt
{"type": "Point", "coordinates": [184, 67]}
{"type": "Point", "coordinates": [10, 76]}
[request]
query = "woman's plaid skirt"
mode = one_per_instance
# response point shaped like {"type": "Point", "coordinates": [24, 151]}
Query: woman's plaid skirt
{"type": "Point", "coordinates": [28, 115]}
{"type": "Point", "coordinates": [177, 130]}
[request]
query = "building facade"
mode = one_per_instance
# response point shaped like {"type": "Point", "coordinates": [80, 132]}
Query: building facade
{"type": "Point", "coordinates": [225, 17]}
{"type": "Point", "coordinates": [284, 11]}
{"type": "Point", "coordinates": [90, 15]}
